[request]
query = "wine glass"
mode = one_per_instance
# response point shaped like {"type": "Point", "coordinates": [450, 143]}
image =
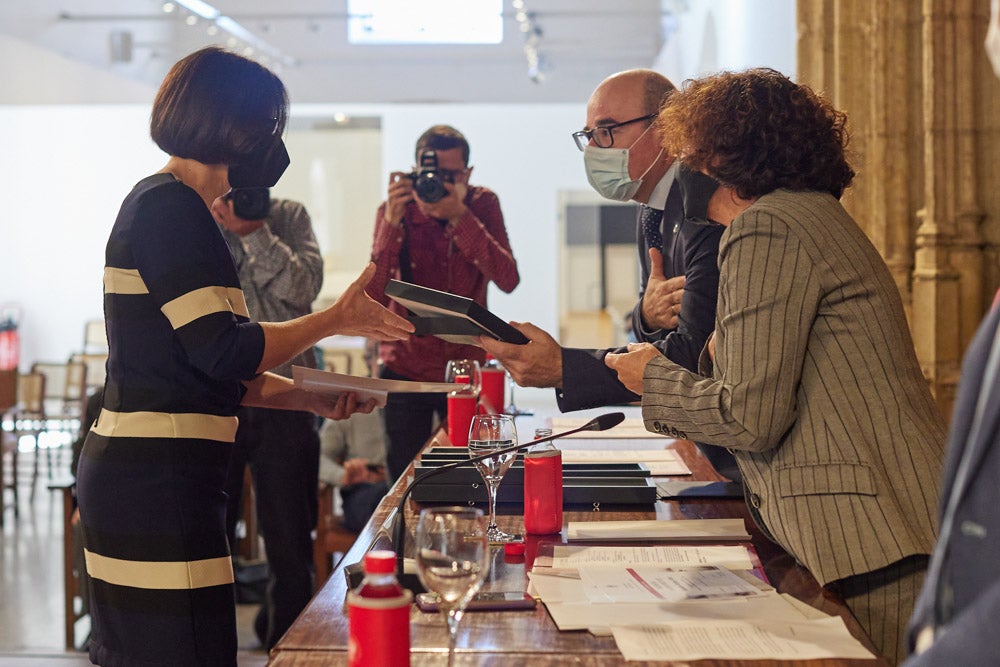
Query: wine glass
{"type": "Point", "coordinates": [487, 433]}
{"type": "Point", "coordinates": [464, 371]}
{"type": "Point", "coordinates": [452, 560]}
{"type": "Point", "coordinates": [512, 409]}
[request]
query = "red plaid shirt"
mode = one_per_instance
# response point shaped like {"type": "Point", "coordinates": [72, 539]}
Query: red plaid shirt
{"type": "Point", "coordinates": [460, 259]}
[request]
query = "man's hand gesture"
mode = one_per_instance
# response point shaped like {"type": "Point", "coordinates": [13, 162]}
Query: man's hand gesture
{"type": "Point", "coordinates": [661, 302]}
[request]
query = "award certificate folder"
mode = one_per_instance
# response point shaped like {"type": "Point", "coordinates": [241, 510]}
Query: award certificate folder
{"type": "Point", "coordinates": [334, 384]}
{"type": "Point", "coordinates": [454, 318]}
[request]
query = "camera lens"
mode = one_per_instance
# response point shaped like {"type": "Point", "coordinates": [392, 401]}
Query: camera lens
{"type": "Point", "coordinates": [429, 187]}
{"type": "Point", "coordinates": [251, 203]}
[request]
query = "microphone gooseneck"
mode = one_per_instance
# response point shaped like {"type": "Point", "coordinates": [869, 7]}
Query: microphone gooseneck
{"type": "Point", "coordinates": [600, 423]}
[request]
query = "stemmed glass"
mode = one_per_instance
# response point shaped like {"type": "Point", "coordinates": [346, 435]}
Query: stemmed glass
{"type": "Point", "coordinates": [487, 433]}
{"type": "Point", "coordinates": [512, 409]}
{"type": "Point", "coordinates": [457, 370]}
{"type": "Point", "coordinates": [452, 560]}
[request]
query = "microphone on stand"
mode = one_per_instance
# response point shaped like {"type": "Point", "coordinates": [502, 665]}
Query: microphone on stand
{"type": "Point", "coordinates": [599, 423]}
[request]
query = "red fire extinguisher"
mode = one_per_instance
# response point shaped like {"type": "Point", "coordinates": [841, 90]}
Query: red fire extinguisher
{"type": "Point", "coordinates": [10, 345]}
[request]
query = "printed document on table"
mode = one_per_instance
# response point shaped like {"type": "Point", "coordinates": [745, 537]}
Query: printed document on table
{"type": "Point", "coordinates": [576, 612]}
{"type": "Point", "coordinates": [760, 639]}
{"type": "Point", "coordinates": [571, 556]}
{"type": "Point", "coordinates": [686, 530]}
{"type": "Point", "coordinates": [655, 584]}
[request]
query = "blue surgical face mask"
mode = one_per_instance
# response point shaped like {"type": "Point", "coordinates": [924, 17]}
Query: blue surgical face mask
{"type": "Point", "coordinates": [607, 171]}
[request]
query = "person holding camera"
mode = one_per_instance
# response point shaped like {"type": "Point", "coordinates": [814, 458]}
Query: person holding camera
{"type": "Point", "coordinates": [437, 231]}
{"type": "Point", "coordinates": [281, 271]}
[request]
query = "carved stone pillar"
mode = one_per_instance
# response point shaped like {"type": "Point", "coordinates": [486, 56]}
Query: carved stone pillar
{"type": "Point", "coordinates": [906, 74]}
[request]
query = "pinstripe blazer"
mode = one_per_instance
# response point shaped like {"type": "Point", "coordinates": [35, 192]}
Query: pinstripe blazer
{"type": "Point", "coordinates": [816, 389]}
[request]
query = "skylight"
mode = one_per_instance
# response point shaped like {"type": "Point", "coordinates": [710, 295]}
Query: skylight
{"type": "Point", "coordinates": [425, 22]}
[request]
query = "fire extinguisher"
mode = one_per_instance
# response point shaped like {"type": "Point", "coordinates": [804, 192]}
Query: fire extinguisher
{"type": "Point", "coordinates": [10, 345]}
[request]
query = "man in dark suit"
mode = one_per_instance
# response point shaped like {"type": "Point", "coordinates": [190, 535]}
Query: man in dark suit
{"type": "Point", "coordinates": [679, 276]}
{"type": "Point", "coordinates": [954, 621]}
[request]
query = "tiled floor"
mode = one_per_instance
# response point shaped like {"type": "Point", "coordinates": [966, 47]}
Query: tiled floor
{"type": "Point", "coordinates": [31, 585]}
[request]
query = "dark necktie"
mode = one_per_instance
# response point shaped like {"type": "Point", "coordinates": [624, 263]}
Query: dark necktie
{"type": "Point", "coordinates": [651, 218]}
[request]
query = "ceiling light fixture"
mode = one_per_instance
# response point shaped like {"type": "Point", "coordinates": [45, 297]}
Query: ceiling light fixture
{"type": "Point", "coordinates": [240, 39]}
{"type": "Point", "coordinates": [528, 26]}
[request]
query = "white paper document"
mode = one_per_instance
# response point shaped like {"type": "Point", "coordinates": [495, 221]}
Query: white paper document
{"type": "Point", "coordinates": [576, 612]}
{"type": "Point", "coordinates": [630, 428]}
{"type": "Point", "coordinates": [334, 384]}
{"type": "Point", "coordinates": [686, 530]}
{"type": "Point", "coordinates": [605, 585]}
{"type": "Point", "coordinates": [659, 461]}
{"type": "Point", "coordinates": [760, 639]}
{"type": "Point", "coordinates": [571, 556]}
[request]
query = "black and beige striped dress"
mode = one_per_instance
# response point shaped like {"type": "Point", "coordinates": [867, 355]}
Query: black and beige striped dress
{"type": "Point", "coordinates": [153, 468]}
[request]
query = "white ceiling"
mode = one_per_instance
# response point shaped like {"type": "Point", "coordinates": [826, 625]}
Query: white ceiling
{"type": "Point", "coordinates": [582, 41]}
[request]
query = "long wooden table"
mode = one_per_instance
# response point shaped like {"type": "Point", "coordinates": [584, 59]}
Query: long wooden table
{"type": "Point", "coordinates": [319, 635]}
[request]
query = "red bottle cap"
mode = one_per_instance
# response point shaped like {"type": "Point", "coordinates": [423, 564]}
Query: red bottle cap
{"type": "Point", "coordinates": [380, 561]}
{"type": "Point", "coordinates": [513, 549]}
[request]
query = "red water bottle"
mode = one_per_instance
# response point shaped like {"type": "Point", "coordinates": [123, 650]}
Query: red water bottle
{"type": "Point", "coordinates": [493, 378]}
{"type": "Point", "coordinates": [379, 612]}
{"type": "Point", "coordinates": [543, 487]}
{"type": "Point", "coordinates": [461, 409]}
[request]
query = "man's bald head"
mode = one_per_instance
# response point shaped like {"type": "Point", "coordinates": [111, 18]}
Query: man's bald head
{"type": "Point", "coordinates": [646, 88]}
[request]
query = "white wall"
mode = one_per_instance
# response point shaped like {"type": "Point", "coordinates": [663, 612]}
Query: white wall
{"type": "Point", "coordinates": [66, 167]}
{"type": "Point", "coordinates": [69, 167]}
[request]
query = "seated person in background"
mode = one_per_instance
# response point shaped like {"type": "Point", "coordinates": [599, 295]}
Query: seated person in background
{"type": "Point", "coordinates": [816, 386]}
{"type": "Point", "coordinates": [352, 458]}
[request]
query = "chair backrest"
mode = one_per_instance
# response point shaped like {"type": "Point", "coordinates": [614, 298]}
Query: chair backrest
{"type": "Point", "coordinates": [96, 371]}
{"type": "Point", "coordinates": [55, 378]}
{"type": "Point", "coordinates": [95, 337]}
{"type": "Point", "coordinates": [76, 381]}
{"type": "Point", "coordinates": [31, 392]}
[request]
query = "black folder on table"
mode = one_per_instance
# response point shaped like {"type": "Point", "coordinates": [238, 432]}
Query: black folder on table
{"type": "Point", "coordinates": [583, 483]}
{"type": "Point", "coordinates": [454, 318]}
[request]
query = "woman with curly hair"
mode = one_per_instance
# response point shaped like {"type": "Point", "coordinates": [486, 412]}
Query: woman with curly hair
{"type": "Point", "coordinates": [815, 384]}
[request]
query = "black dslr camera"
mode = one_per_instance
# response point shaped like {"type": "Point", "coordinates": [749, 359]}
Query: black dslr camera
{"type": "Point", "coordinates": [250, 203]}
{"type": "Point", "coordinates": [428, 181]}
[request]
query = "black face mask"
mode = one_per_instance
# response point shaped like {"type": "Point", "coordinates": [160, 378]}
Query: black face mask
{"type": "Point", "coordinates": [262, 167]}
{"type": "Point", "coordinates": [251, 178]}
{"type": "Point", "coordinates": [696, 190]}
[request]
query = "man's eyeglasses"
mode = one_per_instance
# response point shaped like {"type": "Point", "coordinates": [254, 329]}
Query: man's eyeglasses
{"type": "Point", "coordinates": [602, 134]}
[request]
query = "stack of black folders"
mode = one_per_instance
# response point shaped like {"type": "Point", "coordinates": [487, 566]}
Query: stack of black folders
{"type": "Point", "coordinates": [590, 484]}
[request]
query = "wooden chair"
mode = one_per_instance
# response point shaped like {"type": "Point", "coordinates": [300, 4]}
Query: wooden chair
{"type": "Point", "coordinates": [95, 337]}
{"type": "Point", "coordinates": [333, 539]}
{"type": "Point", "coordinates": [96, 369]}
{"type": "Point", "coordinates": [74, 573]}
{"type": "Point", "coordinates": [27, 418]}
{"type": "Point", "coordinates": [65, 393]}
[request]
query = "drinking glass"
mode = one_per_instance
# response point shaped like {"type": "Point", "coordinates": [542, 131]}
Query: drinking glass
{"type": "Point", "coordinates": [487, 433]}
{"type": "Point", "coordinates": [512, 409]}
{"type": "Point", "coordinates": [452, 560]}
{"type": "Point", "coordinates": [458, 369]}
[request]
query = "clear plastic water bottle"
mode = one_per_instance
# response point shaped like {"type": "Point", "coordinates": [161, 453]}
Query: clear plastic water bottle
{"type": "Point", "coordinates": [379, 613]}
{"type": "Point", "coordinates": [543, 487]}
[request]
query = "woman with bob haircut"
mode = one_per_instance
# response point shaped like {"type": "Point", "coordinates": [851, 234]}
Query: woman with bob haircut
{"type": "Point", "coordinates": [815, 385]}
{"type": "Point", "coordinates": [183, 355]}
